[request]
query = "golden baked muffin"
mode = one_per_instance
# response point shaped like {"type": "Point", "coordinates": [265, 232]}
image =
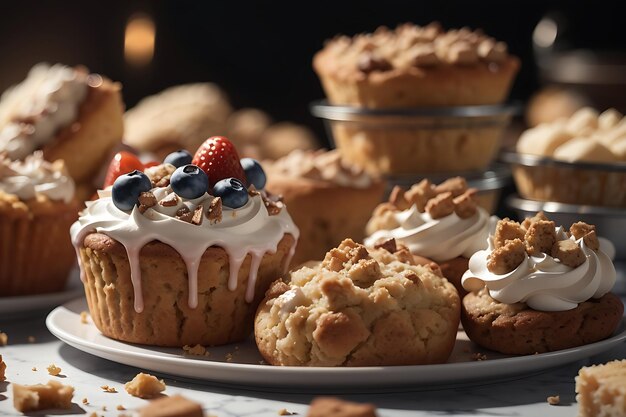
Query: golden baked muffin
{"type": "Point", "coordinates": [601, 390]}
{"type": "Point", "coordinates": [440, 222]}
{"type": "Point", "coordinates": [182, 255]}
{"type": "Point", "coordinates": [37, 208]}
{"type": "Point", "coordinates": [540, 288]}
{"type": "Point", "coordinates": [179, 117]}
{"type": "Point", "coordinates": [327, 199]}
{"type": "Point", "coordinates": [413, 66]}
{"type": "Point", "coordinates": [66, 112]}
{"type": "Point", "coordinates": [359, 307]}
{"type": "Point", "coordinates": [586, 137]}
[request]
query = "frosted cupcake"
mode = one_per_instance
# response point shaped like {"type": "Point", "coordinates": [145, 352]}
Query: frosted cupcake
{"type": "Point", "coordinates": [540, 288]}
{"type": "Point", "coordinates": [37, 207]}
{"type": "Point", "coordinates": [442, 223]}
{"type": "Point", "coordinates": [179, 256]}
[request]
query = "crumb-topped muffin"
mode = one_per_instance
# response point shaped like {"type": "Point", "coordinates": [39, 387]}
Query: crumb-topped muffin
{"type": "Point", "coordinates": [182, 255]}
{"type": "Point", "coordinates": [67, 113]}
{"type": "Point", "coordinates": [414, 66]}
{"type": "Point", "coordinates": [440, 222]}
{"type": "Point", "coordinates": [37, 208]}
{"type": "Point", "coordinates": [359, 307]}
{"type": "Point", "coordinates": [327, 199]}
{"type": "Point", "coordinates": [587, 137]}
{"type": "Point", "coordinates": [540, 288]}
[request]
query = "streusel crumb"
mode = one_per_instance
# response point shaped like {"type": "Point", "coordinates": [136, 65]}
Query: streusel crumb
{"type": "Point", "coordinates": [569, 253]}
{"type": "Point", "coordinates": [554, 400]}
{"type": "Point", "coordinates": [455, 185]}
{"type": "Point", "coordinates": [109, 389]}
{"type": "Point", "coordinates": [145, 386]}
{"type": "Point", "coordinates": [196, 350]}
{"type": "Point", "coordinates": [506, 230]}
{"type": "Point", "coordinates": [41, 397]}
{"type": "Point", "coordinates": [540, 237]}
{"type": "Point", "coordinates": [440, 206]}
{"type": "Point", "coordinates": [506, 258]}
{"type": "Point", "coordinates": [465, 205]}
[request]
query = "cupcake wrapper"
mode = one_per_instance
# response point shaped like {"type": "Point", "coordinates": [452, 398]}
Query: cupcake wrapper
{"type": "Point", "coordinates": [221, 317]}
{"type": "Point", "coordinates": [36, 253]}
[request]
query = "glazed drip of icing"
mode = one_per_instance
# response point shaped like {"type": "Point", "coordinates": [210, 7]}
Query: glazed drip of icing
{"type": "Point", "coordinates": [249, 230]}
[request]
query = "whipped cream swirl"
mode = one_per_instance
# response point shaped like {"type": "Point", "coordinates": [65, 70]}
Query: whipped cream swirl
{"type": "Point", "coordinates": [36, 176]}
{"type": "Point", "coordinates": [438, 239]}
{"type": "Point", "coordinates": [32, 112]}
{"type": "Point", "coordinates": [542, 281]}
{"type": "Point", "coordinates": [246, 230]}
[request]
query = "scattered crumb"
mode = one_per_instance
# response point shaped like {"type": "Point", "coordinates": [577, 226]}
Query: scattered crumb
{"type": "Point", "coordinates": [197, 350]}
{"type": "Point", "coordinates": [3, 367]}
{"type": "Point", "coordinates": [332, 406]}
{"type": "Point", "coordinates": [94, 414]}
{"type": "Point", "coordinates": [4, 339]}
{"type": "Point", "coordinates": [479, 356]}
{"type": "Point", "coordinates": [34, 369]}
{"type": "Point", "coordinates": [173, 406]}
{"type": "Point", "coordinates": [229, 357]}
{"type": "Point", "coordinates": [85, 401]}
{"type": "Point", "coordinates": [104, 408]}
{"type": "Point", "coordinates": [107, 388]}
{"type": "Point", "coordinates": [31, 339]}
{"type": "Point", "coordinates": [554, 400]}
{"type": "Point", "coordinates": [284, 412]}
{"type": "Point", "coordinates": [83, 317]}
{"type": "Point", "coordinates": [145, 386]}
{"type": "Point", "coordinates": [41, 397]}
{"type": "Point", "coordinates": [120, 408]}
{"type": "Point", "coordinates": [53, 370]}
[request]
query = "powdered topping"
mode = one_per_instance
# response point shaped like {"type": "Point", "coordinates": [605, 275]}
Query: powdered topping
{"type": "Point", "coordinates": [162, 215]}
{"type": "Point", "coordinates": [26, 179]}
{"type": "Point", "coordinates": [32, 112]}
{"type": "Point", "coordinates": [585, 137]}
{"type": "Point", "coordinates": [542, 265]}
{"type": "Point", "coordinates": [409, 46]}
{"type": "Point", "coordinates": [439, 222]}
{"type": "Point", "coordinates": [321, 165]}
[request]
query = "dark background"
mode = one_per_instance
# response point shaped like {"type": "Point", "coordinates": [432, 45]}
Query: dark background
{"type": "Point", "coordinates": [260, 52]}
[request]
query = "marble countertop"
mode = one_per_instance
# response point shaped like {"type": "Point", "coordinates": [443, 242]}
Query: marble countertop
{"type": "Point", "coordinates": [518, 396]}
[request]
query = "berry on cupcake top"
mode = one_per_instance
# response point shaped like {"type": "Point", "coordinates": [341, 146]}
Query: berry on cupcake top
{"type": "Point", "coordinates": [440, 222]}
{"type": "Point", "coordinates": [190, 208]}
{"type": "Point", "coordinates": [35, 177]}
{"type": "Point", "coordinates": [543, 265]}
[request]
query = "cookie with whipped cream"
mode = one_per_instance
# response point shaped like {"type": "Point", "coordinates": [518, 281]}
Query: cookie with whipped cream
{"type": "Point", "coordinates": [67, 113]}
{"type": "Point", "coordinates": [359, 307]}
{"type": "Point", "coordinates": [173, 270]}
{"type": "Point", "coordinates": [546, 291]}
{"type": "Point", "coordinates": [440, 222]}
{"type": "Point", "coordinates": [328, 199]}
{"type": "Point", "coordinates": [37, 207]}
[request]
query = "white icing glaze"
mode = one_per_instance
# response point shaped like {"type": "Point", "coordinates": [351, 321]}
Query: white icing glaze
{"type": "Point", "coordinates": [33, 176]}
{"type": "Point", "coordinates": [543, 282]}
{"type": "Point", "coordinates": [247, 230]}
{"type": "Point", "coordinates": [438, 239]}
{"type": "Point", "coordinates": [49, 99]}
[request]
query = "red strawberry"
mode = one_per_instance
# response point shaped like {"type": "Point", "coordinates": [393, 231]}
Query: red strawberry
{"type": "Point", "coordinates": [218, 157]}
{"type": "Point", "coordinates": [122, 163]}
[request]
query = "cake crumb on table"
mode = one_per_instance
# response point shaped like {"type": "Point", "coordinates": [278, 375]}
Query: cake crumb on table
{"type": "Point", "coordinates": [42, 397]}
{"type": "Point", "coordinates": [196, 350]}
{"type": "Point", "coordinates": [285, 412]}
{"type": "Point", "coordinates": [53, 370]}
{"type": "Point", "coordinates": [331, 406]}
{"type": "Point", "coordinates": [174, 406]}
{"type": "Point", "coordinates": [601, 390]}
{"type": "Point", "coordinates": [3, 368]}
{"type": "Point", "coordinates": [145, 386]}
{"type": "Point", "coordinates": [120, 408]}
{"type": "Point", "coordinates": [109, 389]}
{"type": "Point", "coordinates": [83, 317]}
{"type": "Point", "coordinates": [4, 339]}
{"type": "Point", "coordinates": [554, 400]}
{"type": "Point", "coordinates": [85, 401]}
{"type": "Point", "coordinates": [34, 369]}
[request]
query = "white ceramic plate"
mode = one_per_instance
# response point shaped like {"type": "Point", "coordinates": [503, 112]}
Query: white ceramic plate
{"type": "Point", "coordinates": [27, 305]}
{"type": "Point", "coordinates": [244, 368]}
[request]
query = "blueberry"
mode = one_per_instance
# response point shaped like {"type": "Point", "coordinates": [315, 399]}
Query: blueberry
{"type": "Point", "coordinates": [234, 194]}
{"type": "Point", "coordinates": [127, 188]}
{"type": "Point", "coordinates": [179, 158]}
{"type": "Point", "coordinates": [254, 172]}
{"type": "Point", "coordinates": [189, 181]}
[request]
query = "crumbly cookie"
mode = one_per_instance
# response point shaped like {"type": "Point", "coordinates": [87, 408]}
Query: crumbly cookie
{"type": "Point", "coordinates": [601, 390]}
{"type": "Point", "coordinates": [359, 307]}
{"type": "Point", "coordinates": [518, 330]}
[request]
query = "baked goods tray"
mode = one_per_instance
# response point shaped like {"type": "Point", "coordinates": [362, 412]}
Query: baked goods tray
{"type": "Point", "coordinates": [241, 364]}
